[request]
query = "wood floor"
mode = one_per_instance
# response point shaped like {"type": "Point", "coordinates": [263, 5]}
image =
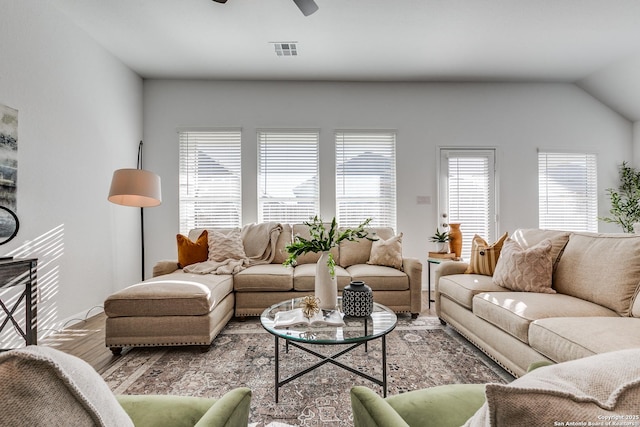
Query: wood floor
{"type": "Point", "coordinates": [86, 339]}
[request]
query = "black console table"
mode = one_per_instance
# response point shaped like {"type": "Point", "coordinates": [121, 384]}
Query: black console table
{"type": "Point", "coordinates": [21, 272]}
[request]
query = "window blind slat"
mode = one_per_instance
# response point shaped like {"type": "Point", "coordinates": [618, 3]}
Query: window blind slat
{"type": "Point", "coordinates": [288, 176]}
{"type": "Point", "coordinates": [210, 179]}
{"type": "Point", "coordinates": [567, 185]}
{"type": "Point", "coordinates": [366, 178]}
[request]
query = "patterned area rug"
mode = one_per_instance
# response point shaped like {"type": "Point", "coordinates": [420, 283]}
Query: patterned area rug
{"type": "Point", "coordinates": [420, 353]}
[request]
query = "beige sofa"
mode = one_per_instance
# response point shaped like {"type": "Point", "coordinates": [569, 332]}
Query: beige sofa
{"type": "Point", "coordinates": [179, 308]}
{"type": "Point", "coordinates": [596, 308]}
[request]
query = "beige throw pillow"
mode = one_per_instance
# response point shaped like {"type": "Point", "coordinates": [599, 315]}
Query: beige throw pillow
{"type": "Point", "coordinates": [226, 246]}
{"type": "Point", "coordinates": [600, 388]}
{"type": "Point", "coordinates": [387, 252]}
{"type": "Point", "coordinates": [484, 256]}
{"type": "Point", "coordinates": [528, 270]}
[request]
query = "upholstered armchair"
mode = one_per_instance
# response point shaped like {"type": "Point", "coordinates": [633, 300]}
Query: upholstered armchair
{"type": "Point", "coordinates": [41, 386]}
{"type": "Point", "coordinates": [442, 406]}
{"type": "Point", "coordinates": [591, 389]}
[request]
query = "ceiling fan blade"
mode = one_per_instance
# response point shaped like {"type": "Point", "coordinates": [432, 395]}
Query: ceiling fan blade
{"type": "Point", "coordinates": [220, 1]}
{"type": "Point", "coordinates": [307, 7]}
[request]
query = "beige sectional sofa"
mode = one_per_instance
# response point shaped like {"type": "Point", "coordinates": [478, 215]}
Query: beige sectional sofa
{"type": "Point", "coordinates": [595, 309]}
{"type": "Point", "coordinates": [179, 308]}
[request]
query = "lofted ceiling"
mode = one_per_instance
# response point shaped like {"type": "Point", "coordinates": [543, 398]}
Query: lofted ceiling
{"type": "Point", "coordinates": [593, 43]}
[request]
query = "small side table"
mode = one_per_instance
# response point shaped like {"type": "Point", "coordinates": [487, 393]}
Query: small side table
{"type": "Point", "coordinates": [21, 272]}
{"type": "Point", "coordinates": [434, 261]}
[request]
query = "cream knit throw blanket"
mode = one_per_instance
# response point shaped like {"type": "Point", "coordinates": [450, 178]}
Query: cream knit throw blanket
{"type": "Point", "coordinates": [259, 241]}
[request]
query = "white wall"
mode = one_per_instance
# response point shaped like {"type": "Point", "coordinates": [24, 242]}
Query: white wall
{"type": "Point", "coordinates": [515, 118]}
{"type": "Point", "coordinates": [80, 117]}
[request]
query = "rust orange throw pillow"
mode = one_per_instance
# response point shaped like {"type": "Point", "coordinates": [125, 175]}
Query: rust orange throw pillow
{"type": "Point", "coordinates": [484, 256]}
{"type": "Point", "coordinates": [192, 252]}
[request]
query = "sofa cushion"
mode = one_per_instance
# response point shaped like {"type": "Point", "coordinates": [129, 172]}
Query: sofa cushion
{"type": "Point", "coordinates": [380, 278]}
{"type": "Point", "coordinates": [528, 237]}
{"type": "Point", "coordinates": [461, 288]}
{"type": "Point", "coordinates": [591, 389]}
{"type": "Point", "coordinates": [387, 252]}
{"type": "Point", "coordinates": [190, 252]}
{"type": "Point", "coordinates": [266, 277]}
{"type": "Point", "coordinates": [304, 277]}
{"type": "Point", "coordinates": [513, 312]}
{"type": "Point", "coordinates": [484, 256]}
{"type": "Point", "coordinates": [175, 294]}
{"type": "Point", "coordinates": [528, 270]}
{"type": "Point", "coordinates": [601, 268]}
{"type": "Point", "coordinates": [41, 386]}
{"type": "Point", "coordinates": [359, 250]}
{"type": "Point", "coordinates": [568, 338]}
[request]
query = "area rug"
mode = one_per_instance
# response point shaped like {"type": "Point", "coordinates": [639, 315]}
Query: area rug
{"type": "Point", "coordinates": [420, 353]}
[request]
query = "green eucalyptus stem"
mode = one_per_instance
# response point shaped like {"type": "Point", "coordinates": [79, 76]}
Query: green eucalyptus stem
{"type": "Point", "coordinates": [322, 240]}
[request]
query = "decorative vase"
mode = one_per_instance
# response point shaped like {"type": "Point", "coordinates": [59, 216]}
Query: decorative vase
{"type": "Point", "coordinates": [357, 299]}
{"type": "Point", "coordinates": [455, 239]}
{"type": "Point", "coordinates": [326, 286]}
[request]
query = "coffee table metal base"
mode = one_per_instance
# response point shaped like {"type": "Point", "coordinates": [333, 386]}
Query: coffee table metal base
{"type": "Point", "coordinates": [330, 359]}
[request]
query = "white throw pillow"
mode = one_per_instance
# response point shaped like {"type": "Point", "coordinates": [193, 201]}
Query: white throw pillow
{"type": "Point", "coordinates": [387, 252]}
{"type": "Point", "coordinates": [527, 270]}
{"type": "Point", "coordinates": [226, 246]}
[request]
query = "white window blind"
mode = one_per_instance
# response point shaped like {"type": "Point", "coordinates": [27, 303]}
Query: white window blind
{"type": "Point", "coordinates": [468, 188]}
{"type": "Point", "coordinates": [567, 186]}
{"type": "Point", "coordinates": [366, 178]}
{"type": "Point", "coordinates": [210, 179]}
{"type": "Point", "coordinates": [288, 175]}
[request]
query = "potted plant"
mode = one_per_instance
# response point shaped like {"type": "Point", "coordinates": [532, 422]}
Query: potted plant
{"type": "Point", "coordinates": [321, 241]}
{"type": "Point", "coordinates": [625, 207]}
{"type": "Point", "coordinates": [440, 239]}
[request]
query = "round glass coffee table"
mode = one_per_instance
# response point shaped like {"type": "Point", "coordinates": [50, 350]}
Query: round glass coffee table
{"type": "Point", "coordinates": [356, 331]}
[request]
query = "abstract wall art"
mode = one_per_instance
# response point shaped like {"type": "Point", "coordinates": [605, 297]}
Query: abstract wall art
{"type": "Point", "coordinates": [8, 156]}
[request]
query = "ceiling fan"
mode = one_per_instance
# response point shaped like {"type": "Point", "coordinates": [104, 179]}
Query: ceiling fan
{"type": "Point", "coordinates": [307, 7]}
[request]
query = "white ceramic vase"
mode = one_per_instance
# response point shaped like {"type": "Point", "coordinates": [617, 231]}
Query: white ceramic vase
{"type": "Point", "coordinates": [326, 286]}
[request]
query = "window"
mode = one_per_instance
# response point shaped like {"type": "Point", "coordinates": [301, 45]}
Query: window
{"type": "Point", "coordinates": [210, 179]}
{"type": "Point", "coordinates": [567, 186]}
{"type": "Point", "coordinates": [467, 194]}
{"type": "Point", "coordinates": [287, 176]}
{"type": "Point", "coordinates": [366, 178]}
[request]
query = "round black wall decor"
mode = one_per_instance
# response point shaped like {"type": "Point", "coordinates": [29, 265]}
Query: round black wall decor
{"type": "Point", "coordinates": [9, 225]}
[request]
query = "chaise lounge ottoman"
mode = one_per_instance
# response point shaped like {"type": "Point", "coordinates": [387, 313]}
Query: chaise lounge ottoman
{"type": "Point", "coordinates": [173, 309]}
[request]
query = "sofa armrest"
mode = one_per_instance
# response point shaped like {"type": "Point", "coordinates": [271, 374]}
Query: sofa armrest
{"type": "Point", "coordinates": [413, 268]}
{"type": "Point", "coordinates": [446, 268]}
{"type": "Point", "coordinates": [164, 410]}
{"type": "Point", "coordinates": [370, 410]}
{"type": "Point", "coordinates": [231, 410]}
{"type": "Point", "coordinates": [165, 267]}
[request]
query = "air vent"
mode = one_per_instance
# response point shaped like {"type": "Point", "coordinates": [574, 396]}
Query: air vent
{"type": "Point", "coordinates": [286, 48]}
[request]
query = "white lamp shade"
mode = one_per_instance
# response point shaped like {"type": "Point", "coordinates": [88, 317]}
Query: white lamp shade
{"type": "Point", "coordinates": [135, 187]}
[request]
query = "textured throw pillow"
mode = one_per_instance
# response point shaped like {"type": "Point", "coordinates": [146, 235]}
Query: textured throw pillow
{"type": "Point", "coordinates": [484, 256]}
{"type": "Point", "coordinates": [226, 246]}
{"type": "Point", "coordinates": [387, 252]}
{"type": "Point", "coordinates": [602, 388]}
{"type": "Point", "coordinates": [192, 252]}
{"type": "Point", "coordinates": [41, 386]}
{"type": "Point", "coordinates": [528, 270]}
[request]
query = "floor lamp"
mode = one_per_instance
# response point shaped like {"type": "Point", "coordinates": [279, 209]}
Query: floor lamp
{"type": "Point", "coordinates": [138, 188]}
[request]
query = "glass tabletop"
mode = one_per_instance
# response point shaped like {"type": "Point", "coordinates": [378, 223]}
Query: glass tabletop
{"type": "Point", "coordinates": [356, 329]}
